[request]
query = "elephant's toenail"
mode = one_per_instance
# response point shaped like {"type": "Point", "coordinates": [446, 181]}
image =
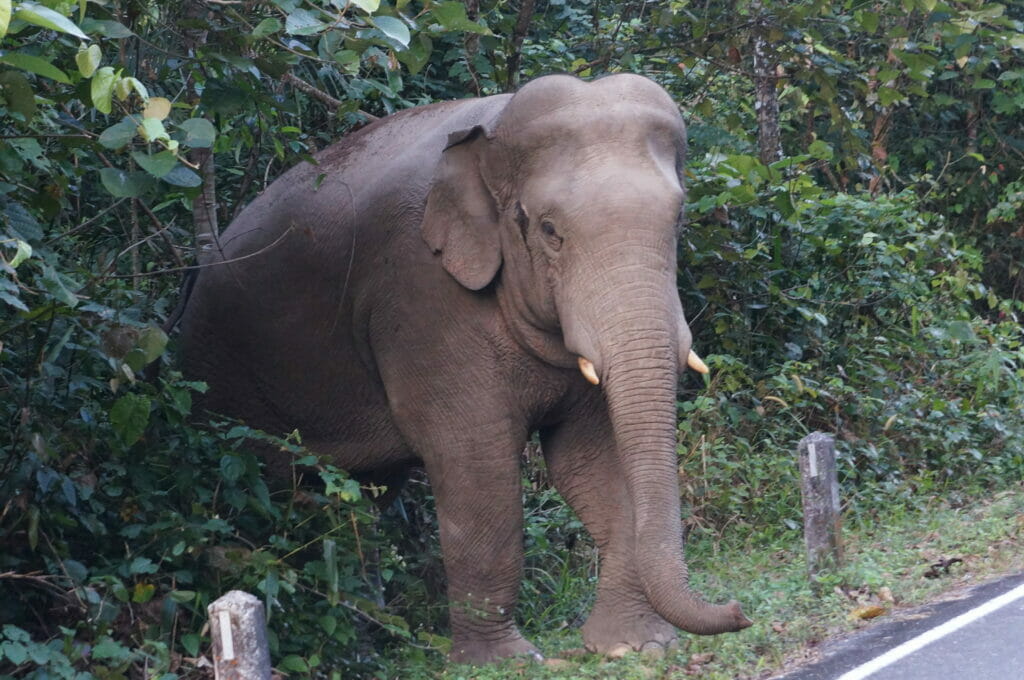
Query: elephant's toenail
{"type": "Point", "coordinates": [619, 651]}
{"type": "Point", "coordinates": [653, 650]}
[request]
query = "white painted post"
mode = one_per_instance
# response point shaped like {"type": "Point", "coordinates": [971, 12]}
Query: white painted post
{"type": "Point", "coordinates": [239, 631]}
{"type": "Point", "coordinates": [820, 488]}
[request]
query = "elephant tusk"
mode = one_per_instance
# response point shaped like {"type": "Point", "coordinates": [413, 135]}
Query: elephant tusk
{"type": "Point", "coordinates": [587, 369]}
{"type": "Point", "coordinates": [694, 362]}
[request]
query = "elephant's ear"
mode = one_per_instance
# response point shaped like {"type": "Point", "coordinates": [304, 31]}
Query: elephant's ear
{"type": "Point", "coordinates": [461, 218]}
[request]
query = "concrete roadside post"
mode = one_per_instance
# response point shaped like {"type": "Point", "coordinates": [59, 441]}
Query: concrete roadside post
{"type": "Point", "coordinates": [238, 628]}
{"type": "Point", "coordinates": [819, 485]}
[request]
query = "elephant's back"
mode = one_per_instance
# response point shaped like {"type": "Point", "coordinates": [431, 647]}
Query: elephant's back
{"type": "Point", "coordinates": [276, 321]}
{"type": "Point", "coordinates": [383, 168]}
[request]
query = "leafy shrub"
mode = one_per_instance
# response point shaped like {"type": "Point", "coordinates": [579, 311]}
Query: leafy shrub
{"type": "Point", "coordinates": [869, 320]}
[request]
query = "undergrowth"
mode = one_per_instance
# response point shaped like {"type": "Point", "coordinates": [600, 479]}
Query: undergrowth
{"type": "Point", "coordinates": [890, 558]}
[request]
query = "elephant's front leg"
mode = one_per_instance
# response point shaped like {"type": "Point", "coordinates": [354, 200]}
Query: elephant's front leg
{"type": "Point", "coordinates": [474, 473]}
{"type": "Point", "coordinates": [585, 469]}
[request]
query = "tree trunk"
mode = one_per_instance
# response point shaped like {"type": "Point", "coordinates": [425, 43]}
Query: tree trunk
{"type": "Point", "coordinates": [515, 49]}
{"type": "Point", "coordinates": [204, 208]}
{"type": "Point", "coordinates": [766, 101]}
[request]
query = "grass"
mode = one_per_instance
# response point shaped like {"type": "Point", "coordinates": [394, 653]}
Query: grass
{"type": "Point", "coordinates": [888, 554]}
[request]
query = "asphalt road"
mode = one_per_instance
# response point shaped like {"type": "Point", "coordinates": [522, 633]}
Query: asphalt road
{"type": "Point", "coordinates": [977, 637]}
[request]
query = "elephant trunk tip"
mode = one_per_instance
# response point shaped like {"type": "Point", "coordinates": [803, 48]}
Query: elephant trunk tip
{"type": "Point", "coordinates": [717, 619]}
{"type": "Point", "coordinates": [740, 621]}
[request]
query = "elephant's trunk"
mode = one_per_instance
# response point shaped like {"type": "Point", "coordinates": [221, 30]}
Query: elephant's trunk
{"type": "Point", "coordinates": [640, 372]}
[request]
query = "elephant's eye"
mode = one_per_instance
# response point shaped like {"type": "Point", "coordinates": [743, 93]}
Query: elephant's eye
{"type": "Point", "coordinates": [554, 241]}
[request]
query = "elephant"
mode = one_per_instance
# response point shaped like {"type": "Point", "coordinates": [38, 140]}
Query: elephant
{"type": "Point", "coordinates": [438, 286]}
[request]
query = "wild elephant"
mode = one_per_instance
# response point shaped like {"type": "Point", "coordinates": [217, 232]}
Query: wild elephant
{"type": "Point", "coordinates": [429, 291]}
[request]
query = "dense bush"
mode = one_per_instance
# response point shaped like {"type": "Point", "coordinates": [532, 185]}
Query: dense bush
{"type": "Point", "coordinates": [877, 328]}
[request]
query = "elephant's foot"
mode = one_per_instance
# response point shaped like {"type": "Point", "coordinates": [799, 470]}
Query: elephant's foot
{"type": "Point", "coordinates": [615, 632]}
{"type": "Point", "coordinates": [478, 651]}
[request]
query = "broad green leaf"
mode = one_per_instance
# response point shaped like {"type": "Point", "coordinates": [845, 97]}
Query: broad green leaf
{"type": "Point", "coordinates": [118, 135]}
{"type": "Point", "coordinates": [889, 95]}
{"type": "Point", "coordinates": [232, 467]}
{"type": "Point", "coordinates": [418, 54]}
{"type": "Point", "coordinates": [125, 86]}
{"type": "Point", "coordinates": [368, 6]}
{"type": "Point", "coordinates": [22, 253]}
{"type": "Point", "coordinates": [348, 60]}
{"type": "Point", "coordinates": [393, 28]}
{"type": "Point", "coordinates": [225, 98]}
{"type": "Point", "coordinates": [57, 285]}
{"type": "Point", "coordinates": [5, 16]}
{"type": "Point", "coordinates": [268, 26]}
{"type": "Point", "coordinates": [182, 596]}
{"type": "Point", "coordinates": [122, 184]}
{"type": "Point", "coordinates": [157, 164]}
{"type": "Point", "coordinates": [39, 15]}
{"type": "Point", "coordinates": [191, 643]}
{"type": "Point", "coordinates": [88, 60]}
{"type": "Point", "coordinates": [102, 88]}
{"type": "Point", "coordinates": [328, 623]}
{"type": "Point", "coordinates": [143, 592]}
{"type": "Point", "coordinates": [180, 176]}
{"type": "Point", "coordinates": [303, 22]}
{"type": "Point", "coordinates": [23, 223]}
{"type": "Point", "coordinates": [129, 417]}
{"type": "Point", "coordinates": [153, 129]}
{"type": "Point", "coordinates": [451, 16]}
{"type": "Point", "coordinates": [867, 20]}
{"type": "Point", "coordinates": [15, 652]}
{"type": "Point", "coordinates": [106, 28]}
{"type": "Point", "coordinates": [199, 132]}
{"type": "Point", "coordinates": [36, 65]}
{"type": "Point", "coordinates": [294, 663]}
{"type": "Point", "coordinates": [820, 149]}
{"type": "Point", "coordinates": [142, 565]}
{"type": "Point", "coordinates": [18, 93]}
{"type": "Point", "coordinates": [158, 107]}
{"type": "Point", "coordinates": [960, 331]}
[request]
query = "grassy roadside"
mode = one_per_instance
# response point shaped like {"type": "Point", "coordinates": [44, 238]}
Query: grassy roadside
{"type": "Point", "coordinates": [889, 561]}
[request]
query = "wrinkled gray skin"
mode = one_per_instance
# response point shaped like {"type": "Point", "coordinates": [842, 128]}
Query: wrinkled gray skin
{"type": "Point", "coordinates": [423, 295]}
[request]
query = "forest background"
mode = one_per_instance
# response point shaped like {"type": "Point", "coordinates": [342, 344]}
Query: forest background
{"type": "Point", "coordinates": [852, 263]}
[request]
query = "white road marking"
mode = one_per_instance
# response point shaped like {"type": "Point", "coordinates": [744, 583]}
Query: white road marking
{"type": "Point", "coordinates": [914, 644]}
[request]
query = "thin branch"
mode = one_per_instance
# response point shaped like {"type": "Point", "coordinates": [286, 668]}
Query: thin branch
{"type": "Point", "coordinates": [162, 231]}
{"type": "Point", "coordinates": [196, 267]}
{"type": "Point", "coordinates": [316, 93]}
{"type": "Point", "coordinates": [247, 176]}
{"type": "Point", "coordinates": [87, 223]}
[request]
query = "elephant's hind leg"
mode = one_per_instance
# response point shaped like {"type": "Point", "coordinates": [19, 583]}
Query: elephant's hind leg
{"type": "Point", "coordinates": [584, 468]}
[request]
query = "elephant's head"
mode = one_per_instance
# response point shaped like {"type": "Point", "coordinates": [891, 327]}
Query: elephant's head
{"type": "Point", "coordinates": [574, 192]}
